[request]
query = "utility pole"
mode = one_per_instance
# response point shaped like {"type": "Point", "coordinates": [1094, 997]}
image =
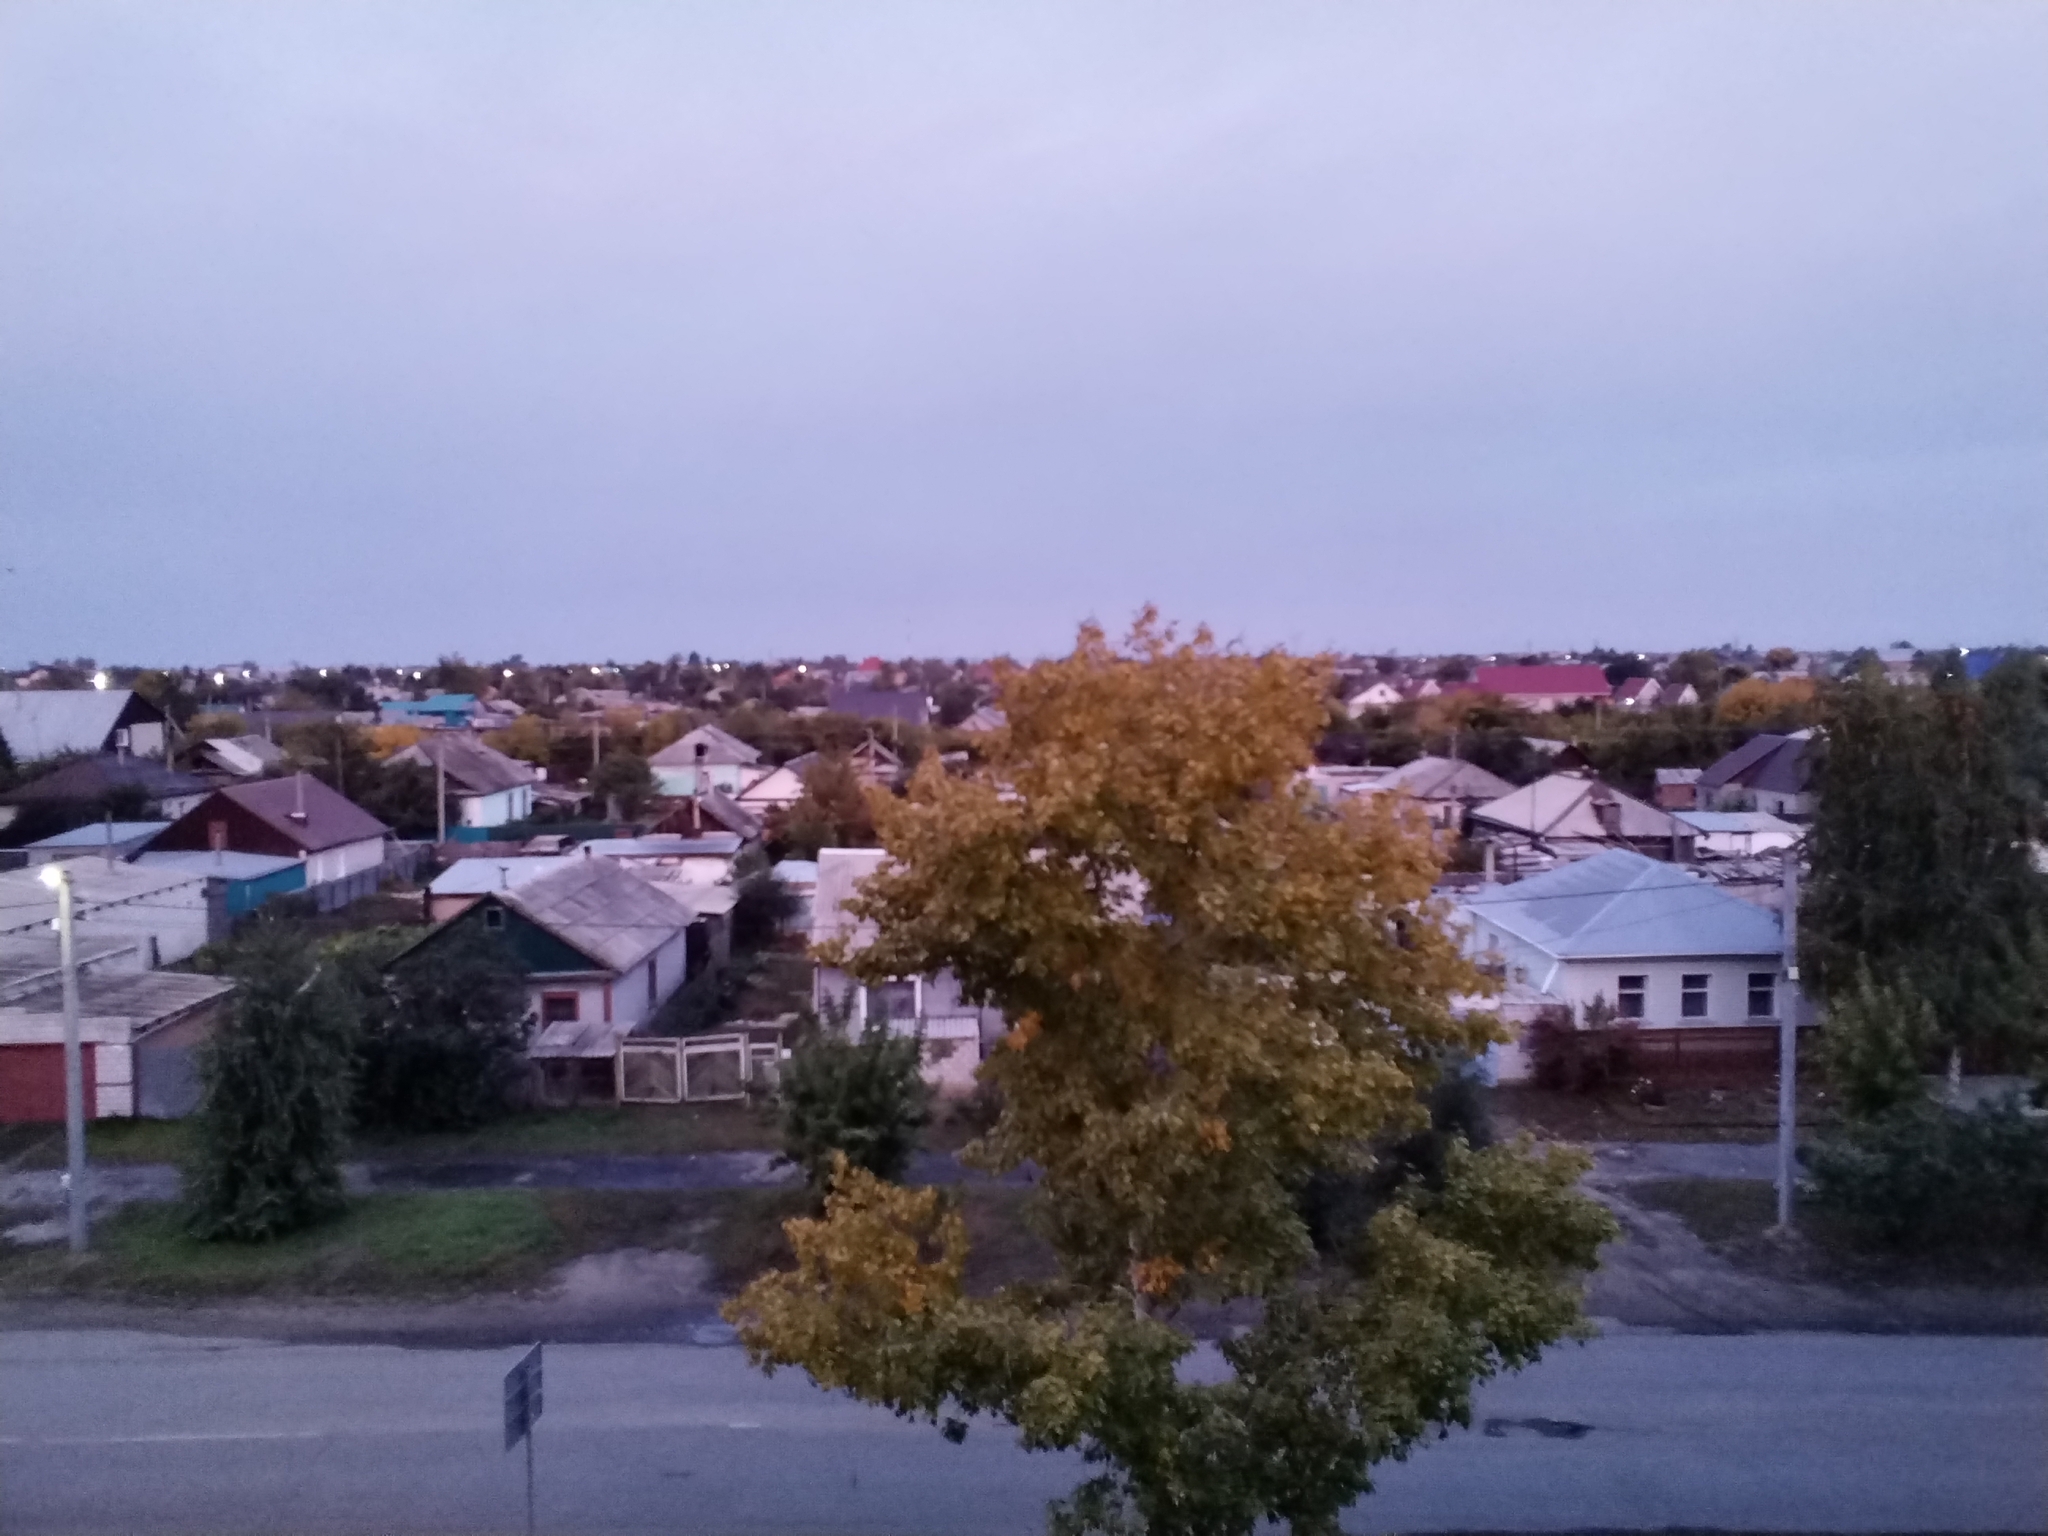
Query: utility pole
{"type": "Point", "coordinates": [440, 795]}
{"type": "Point", "coordinates": [1788, 1044]}
{"type": "Point", "coordinates": [58, 878]}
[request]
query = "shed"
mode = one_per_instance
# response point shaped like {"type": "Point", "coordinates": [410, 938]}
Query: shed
{"type": "Point", "coordinates": [46, 722]}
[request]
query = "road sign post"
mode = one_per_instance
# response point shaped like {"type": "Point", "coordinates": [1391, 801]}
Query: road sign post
{"type": "Point", "coordinates": [522, 1409]}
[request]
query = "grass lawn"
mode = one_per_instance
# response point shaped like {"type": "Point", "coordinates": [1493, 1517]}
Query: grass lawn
{"type": "Point", "coordinates": [617, 1129]}
{"type": "Point", "coordinates": [462, 1243]}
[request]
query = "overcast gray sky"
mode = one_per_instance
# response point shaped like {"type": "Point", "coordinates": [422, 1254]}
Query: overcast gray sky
{"type": "Point", "coordinates": [374, 331]}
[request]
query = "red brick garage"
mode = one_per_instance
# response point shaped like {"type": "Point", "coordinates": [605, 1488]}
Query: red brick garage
{"type": "Point", "coordinates": [32, 1083]}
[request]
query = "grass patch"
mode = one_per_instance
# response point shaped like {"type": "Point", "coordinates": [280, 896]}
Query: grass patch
{"type": "Point", "coordinates": [1718, 1211]}
{"type": "Point", "coordinates": [1739, 1113]}
{"type": "Point", "coordinates": [382, 1245]}
{"type": "Point", "coordinates": [739, 1231]}
{"type": "Point", "coordinates": [618, 1129]}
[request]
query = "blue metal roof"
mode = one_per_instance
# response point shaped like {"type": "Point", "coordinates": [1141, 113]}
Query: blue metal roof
{"type": "Point", "coordinates": [1621, 904]}
{"type": "Point", "coordinates": [227, 865]}
{"type": "Point", "coordinates": [96, 834]}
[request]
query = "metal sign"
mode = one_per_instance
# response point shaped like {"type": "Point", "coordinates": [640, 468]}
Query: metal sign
{"type": "Point", "coordinates": [522, 1398]}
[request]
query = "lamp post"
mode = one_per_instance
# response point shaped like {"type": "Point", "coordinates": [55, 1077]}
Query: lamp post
{"type": "Point", "coordinates": [58, 878]}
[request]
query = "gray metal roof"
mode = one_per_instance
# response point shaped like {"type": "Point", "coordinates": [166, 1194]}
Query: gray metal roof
{"type": "Point", "coordinates": [1622, 904]}
{"type": "Point", "coordinates": [472, 765]}
{"type": "Point", "coordinates": [720, 747]}
{"type": "Point", "coordinates": [476, 877]}
{"type": "Point", "coordinates": [116, 1003]}
{"type": "Point", "coordinates": [27, 904]}
{"type": "Point", "coordinates": [1565, 806]}
{"type": "Point", "coordinates": [98, 834]}
{"type": "Point", "coordinates": [218, 863]}
{"type": "Point", "coordinates": [603, 909]}
{"type": "Point", "coordinates": [1443, 778]}
{"type": "Point", "coordinates": [41, 722]}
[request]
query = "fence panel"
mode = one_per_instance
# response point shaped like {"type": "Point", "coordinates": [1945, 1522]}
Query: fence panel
{"type": "Point", "coordinates": [650, 1072]}
{"type": "Point", "coordinates": [714, 1068]}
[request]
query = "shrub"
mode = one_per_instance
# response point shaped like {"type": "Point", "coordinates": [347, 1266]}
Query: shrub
{"type": "Point", "coordinates": [274, 1110]}
{"type": "Point", "coordinates": [762, 906]}
{"type": "Point", "coordinates": [1924, 1175]}
{"type": "Point", "coordinates": [1875, 1045]}
{"type": "Point", "coordinates": [1575, 1060]}
{"type": "Point", "coordinates": [442, 1045]}
{"type": "Point", "coordinates": [862, 1095]}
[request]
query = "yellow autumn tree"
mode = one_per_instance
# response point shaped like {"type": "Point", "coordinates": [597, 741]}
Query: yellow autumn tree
{"type": "Point", "coordinates": [1759, 701]}
{"type": "Point", "coordinates": [1221, 993]}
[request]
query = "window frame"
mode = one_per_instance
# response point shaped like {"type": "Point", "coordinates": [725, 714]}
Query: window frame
{"type": "Point", "coordinates": [549, 999]}
{"type": "Point", "coordinates": [1766, 983]}
{"type": "Point", "coordinates": [1632, 1001]}
{"type": "Point", "coordinates": [1695, 994]}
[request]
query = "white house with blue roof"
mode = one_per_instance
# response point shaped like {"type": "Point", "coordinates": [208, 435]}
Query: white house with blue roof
{"type": "Point", "coordinates": [1663, 946]}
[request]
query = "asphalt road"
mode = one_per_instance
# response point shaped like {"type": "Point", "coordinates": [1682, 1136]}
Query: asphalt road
{"type": "Point", "coordinates": [107, 1432]}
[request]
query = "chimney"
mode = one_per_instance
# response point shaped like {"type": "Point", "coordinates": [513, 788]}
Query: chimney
{"type": "Point", "coordinates": [1608, 810]}
{"type": "Point", "coordinates": [298, 810]}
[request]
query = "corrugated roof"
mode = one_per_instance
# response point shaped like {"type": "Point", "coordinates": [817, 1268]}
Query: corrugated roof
{"type": "Point", "coordinates": [476, 877]}
{"type": "Point", "coordinates": [601, 908]}
{"type": "Point", "coordinates": [472, 765]}
{"type": "Point", "coordinates": [26, 903]}
{"type": "Point", "coordinates": [1565, 805]}
{"type": "Point", "coordinates": [245, 755]}
{"type": "Point", "coordinates": [330, 818]}
{"type": "Point", "coordinates": [99, 833]}
{"type": "Point", "coordinates": [1621, 904]}
{"type": "Point", "coordinates": [92, 778]}
{"type": "Point", "coordinates": [1443, 778]}
{"type": "Point", "coordinates": [721, 748]}
{"type": "Point", "coordinates": [1775, 764]}
{"type": "Point", "coordinates": [1735, 821]}
{"type": "Point", "coordinates": [109, 1002]}
{"type": "Point", "coordinates": [663, 845]}
{"type": "Point", "coordinates": [41, 722]}
{"type": "Point", "coordinates": [221, 863]}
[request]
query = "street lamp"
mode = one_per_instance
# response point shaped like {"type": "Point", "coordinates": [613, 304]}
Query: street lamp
{"type": "Point", "coordinates": [58, 878]}
{"type": "Point", "coordinates": [99, 681]}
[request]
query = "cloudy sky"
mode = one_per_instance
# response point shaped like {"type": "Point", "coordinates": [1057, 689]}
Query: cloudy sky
{"type": "Point", "coordinates": [582, 330]}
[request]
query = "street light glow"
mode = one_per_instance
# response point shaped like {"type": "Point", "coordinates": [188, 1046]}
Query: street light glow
{"type": "Point", "coordinates": [99, 681]}
{"type": "Point", "coordinates": [508, 671]}
{"type": "Point", "coordinates": [51, 874]}
{"type": "Point", "coordinates": [220, 679]}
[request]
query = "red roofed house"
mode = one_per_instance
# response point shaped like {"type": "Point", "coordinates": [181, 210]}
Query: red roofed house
{"type": "Point", "coordinates": [298, 817]}
{"type": "Point", "coordinates": [1542, 689]}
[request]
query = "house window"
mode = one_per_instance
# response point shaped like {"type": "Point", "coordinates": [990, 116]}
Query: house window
{"type": "Point", "coordinates": [1692, 997]}
{"type": "Point", "coordinates": [1763, 994]}
{"type": "Point", "coordinates": [494, 917]}
{"type": "Point", "coordinates": [1628, 996]}
{"type": "Point", "coordinates": [893, 1000]}
{"type": "Point", "coordinates": [558, 1007]}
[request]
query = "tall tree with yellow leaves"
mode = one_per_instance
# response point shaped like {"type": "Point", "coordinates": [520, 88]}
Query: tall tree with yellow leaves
{"type": "Point", "coordinates": [1217, 990]}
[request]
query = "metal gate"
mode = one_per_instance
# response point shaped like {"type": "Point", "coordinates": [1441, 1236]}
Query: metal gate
{"type": "Point", "coordinates": [650, 1072]}
{"type": "Point", "coordinates": [701, 1069]}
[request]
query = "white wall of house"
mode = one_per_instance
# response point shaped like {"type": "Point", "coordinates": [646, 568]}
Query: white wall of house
{"type": "Point", "coordinates": [145, 738]}
{"type": "Point", "coordinates": [1578, 982]}
{"type": "Point", "coordinates": [630, 1004]}
{"type": "Point", "coordinates": [343, 860]}
{"type": "Point", "coordinates": [494, 810]}
{"type": "Point", "coordinates": [780, 786]}
{"type": "Point", "coordinates": [679, 783]}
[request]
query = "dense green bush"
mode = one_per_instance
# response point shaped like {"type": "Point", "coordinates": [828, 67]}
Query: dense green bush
{"type": "Point", "coordinates": [1925, 1175]}
{"type": "Point", "coordinates": [861, 1094]}
{"type": "Point", "coordinates": [441, 1044]}
{"type": "Point", "coordinates": [275, 1107]}
{"type": "Point", "coordinates": [1875, 1046]}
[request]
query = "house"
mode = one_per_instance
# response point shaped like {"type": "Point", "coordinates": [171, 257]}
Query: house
{"type": "Point", "coordinates": [956, 1032]}
{"type": "Point", "coordinates": [160, 914]}
{"type": "Point", "coordinates": [775, 789]}
{"type": "Point", "coordinates": [102, 839]}
{"type": "Point", "coordinates": [83, 787]}
{"type": "Point", "coordinates": [1379, 694]}
{"type": "Point", "coordinates": [46, 722]}
{"type": "Point", "coordinates": [341, 844]}
{"type": "Point", "coordinates": [1573, 816]}
{"type": "Point", "coordinates": [1659, 945]}
{"type": "Point", "coordinates": [1684, 698]}
{"type": "Point", "coordinates": [602, 949]}
{"type": "Point", "coordinates": [704, 759]}
{"type": "Point", "coordinates": [137, 1029]}
{"type": "Point", "coordinates": [906, 706]}
{"type": "Point", "coordinates": [712, 811]}
{"type": "Point", "coordinates": [1542, 689]}
{"type": "Point", "coordinates": [1739, 834]}
{"type": "Point", "coordinates": [800, 878]}
{"type": "Point", "coordinates": [1766, 773]}
{"type": "Point", "coordinates": [467, 881]}
{"type": "Point", "coordinates": [1678, 789]}
{"type": "Point", "coordinates": [1445, 787]}
{"type": "Point", "coordinates": [1420, 688]}
{"type": "Point", "coordinates": [705, 860]}
{"type": "Point", "coordinates": [440, 711]}
{"type": "Point", "coordinates": [1637, 693]}
{"type": "Point", "coordinates": [239, 757]}
{"type": "Point", "coordinates": [489, 788]}
{"type": "Point", "coordinates": [984, 719]}
{"type": "Point", "coordinates": [235, 883]}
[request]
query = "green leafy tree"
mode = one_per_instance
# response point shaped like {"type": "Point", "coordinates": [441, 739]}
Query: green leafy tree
{"type": "Point", "coordinates": [1217, 989]}
{"type": "Point", "coordinates": [859, 1098]}
{"type": "Point", "coordinates": [1922, 869]}
{"type": "Point", "coordinates": [402, 796]}
{"type": "Point", "coordinates": [442, 1041]}
{"type": "Point", "coordinates": [1875, 1046]}
{"type": "Point", "coordinates": [274, 1113]}
{"type": "Point", "coordinates": [624, 779]}
{"type": "Point", "coordinates": [834, 811]}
